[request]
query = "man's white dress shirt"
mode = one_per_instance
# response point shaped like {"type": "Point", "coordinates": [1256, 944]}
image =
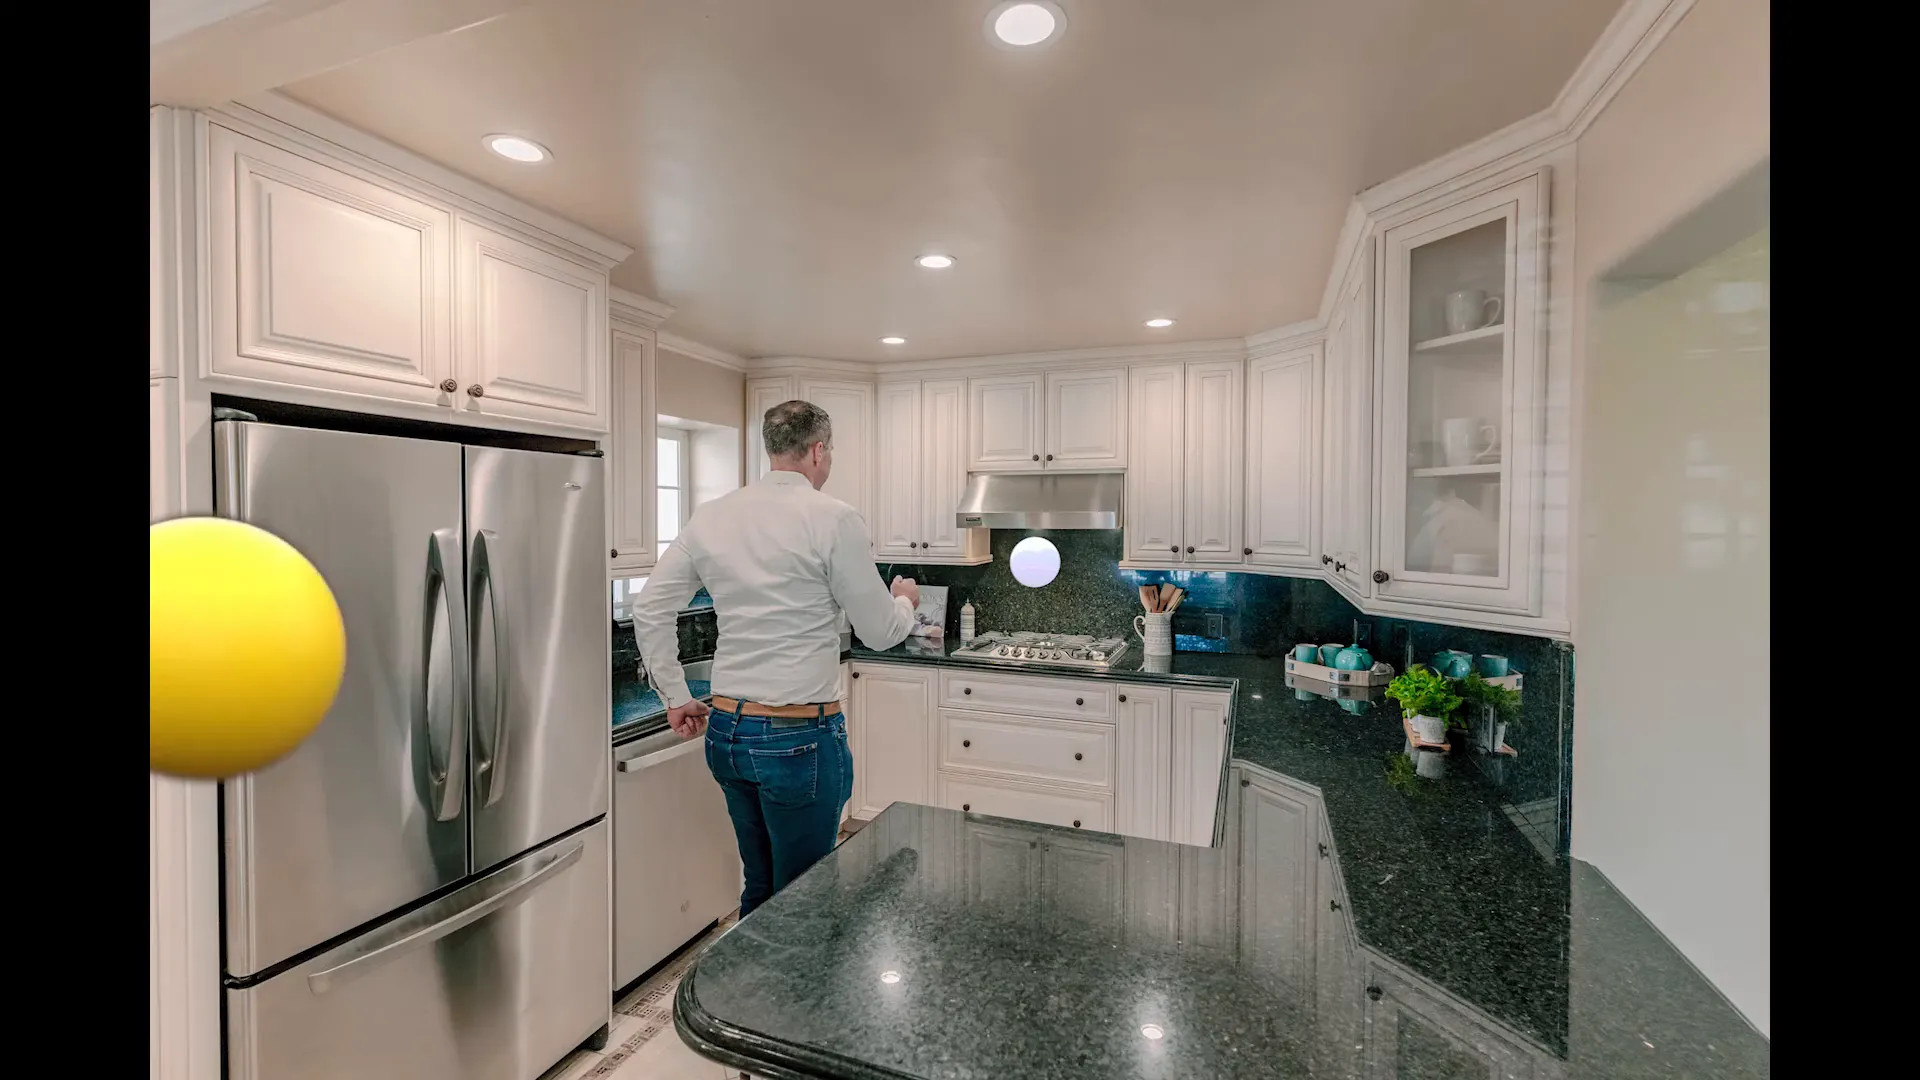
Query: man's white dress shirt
{"type": "Point", "coordinates": [781, 561]}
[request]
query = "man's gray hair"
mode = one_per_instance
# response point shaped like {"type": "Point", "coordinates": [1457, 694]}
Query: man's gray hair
{"type": "Point", "coordinates": [792, 427]}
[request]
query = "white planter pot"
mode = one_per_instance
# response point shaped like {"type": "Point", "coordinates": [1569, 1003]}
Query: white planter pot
{"type": "Point", "coordinates": [1431, 729]}
{"type": "Point", "coordinates": [1429, 764]}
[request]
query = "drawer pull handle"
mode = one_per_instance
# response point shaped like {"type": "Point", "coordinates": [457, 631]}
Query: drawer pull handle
{"type": "Point", "coordinates": [1076, 823]}
{"type": "Point", "coordinates": [1123, 699]}
{"type": "Point", "coordinates": [966, 806]}
{"type": "Point", "coordinates": [966, 742]}
{"type": "Point", "coordinates": [966, 689]}
{"type": "Point", "coordinates": [1323, 851]}
{"type": "Point", "coordinates": [1076, 757]}
{"type": "Point", "coordinates": [1079, 701]}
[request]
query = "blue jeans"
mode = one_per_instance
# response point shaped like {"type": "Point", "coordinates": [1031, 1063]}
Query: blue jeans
{"type": "Point", "coordinates": [786, 782]}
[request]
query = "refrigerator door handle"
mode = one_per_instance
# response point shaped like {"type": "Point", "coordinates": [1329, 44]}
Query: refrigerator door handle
{"type": "Point", "coordinates": [490, 767]}
{"type": "Point", "coordinates": [446, 776]}
{"type": "Point", "coordinates": [554, 862]}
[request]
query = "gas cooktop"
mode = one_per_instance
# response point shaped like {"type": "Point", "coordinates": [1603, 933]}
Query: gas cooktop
{"type": "Point", "coordinates": [1023, 647]}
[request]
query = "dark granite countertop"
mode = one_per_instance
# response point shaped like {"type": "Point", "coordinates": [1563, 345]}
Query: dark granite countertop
{"type": "Point", "coordinates": [1436, 935]}
{"type": "Point", "coordinates": [1190, 669]}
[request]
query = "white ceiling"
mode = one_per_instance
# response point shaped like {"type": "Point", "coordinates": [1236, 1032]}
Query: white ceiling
{"type": "Point", "coordinates": [777, 165]}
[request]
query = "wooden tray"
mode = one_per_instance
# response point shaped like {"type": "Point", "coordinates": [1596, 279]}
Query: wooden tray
{"type": "Point", "coordinates": [1336, 677]}
{"type": "Point", "coordinates": [1419, 744]}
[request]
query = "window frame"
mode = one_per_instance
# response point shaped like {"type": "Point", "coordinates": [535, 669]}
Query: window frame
{"type": "Point", "coordinates": [683, 480]}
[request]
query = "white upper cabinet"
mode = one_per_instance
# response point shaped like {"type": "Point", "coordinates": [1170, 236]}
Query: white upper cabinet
{"type": "Point", "coordinates": [631, 503]}
{"type": "Point", "coordinates": [1086, 420]}
{"type": "Point", "coordinates": [1283, 444]}
{"type": "Point", "coordinates": [1005, 424]}
{"type": "Point", "coordinates": [321, 278]}
{"type": "Point", "coordinates": [531, 330]}
{"type": "Point", "coordinates": [920, 473]}
{"type": "Point", "coordinates": [849, 407]}
{"type": "Point", "coordinates": [160, 275]}
{"type": "Point", "coordinates": [762, 394]}
{"type": "Point", "coordinates": [1216, 461]}
{"type": "Point", "coordinates": [1154, 508]}
{"type": "Point", "coordinates": [328, 276]}
{"type": "Point", "coordinates": [898, 518]}
{"type": "Point", "coordinates": [1460, 402]}
{"type": "Point", "coordinates": [1347, 441]}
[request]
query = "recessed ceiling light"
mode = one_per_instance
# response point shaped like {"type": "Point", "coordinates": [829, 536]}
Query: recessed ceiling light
{"type": "Point", "coordinates": [1159, 324]}
{"type": "Point", "coordinates": [889, 977]}
{"type": "Point", "coordinates": [893, 341]}
{"type": "Point", "coordinates": [935, 262]}
{"type": "Point", "coordinates": [1153, 1031]}
{"type": "Point", "coordinates": [1025, 24]}
{"type": "Point", "coordinates": [515, 148]}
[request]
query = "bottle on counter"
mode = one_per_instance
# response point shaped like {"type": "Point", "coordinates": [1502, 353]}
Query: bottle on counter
{"type": "Point", "coordinates": [966, 623]}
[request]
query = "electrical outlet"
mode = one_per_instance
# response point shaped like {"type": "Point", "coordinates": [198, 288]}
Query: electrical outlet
{"type": "Point", "coordinates": [1362, 633]}
{"type": "Point", "coordinates": [1216, 625]}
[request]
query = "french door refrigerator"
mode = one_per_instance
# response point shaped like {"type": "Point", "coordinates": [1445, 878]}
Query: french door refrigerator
{"type": "Point", "coordinates": [420, 891]}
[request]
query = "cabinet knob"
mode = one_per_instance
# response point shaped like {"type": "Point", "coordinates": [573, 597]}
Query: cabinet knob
{"type": "Point", "coordinates": [1049, 457]}
{"type": "Point", "coordinates": [1325, 559]}
{"type": "Point", "coordinates": [1244, 782]}
{"type": "Point", "coordinates": [1036, 457]}
{"type": "Point", "coordinates": [1323, 851]}
{"type": "Point", "coordinates": [966, 689]}
{"type": "Point", "coordinates": [1246, 551]}
{"type": "Point", "coordinates": [1189, 549]}
{"type": "Point", "coordinates": [966, 806]}
{"type": "Point", "coordinates": [1339, 566]}
{"type": "Point", "coordinates": [1374, 992]}
{"type": "Point", "coordinates": [1076, 757]}
{"type": "Point", "coordinates": [1123, 699]}
{"type": "Point", "coordinates": [614, 552]}
{"type": "Point", "coordinates": [912, 544]}
{"type": "Point", "coordinates": [856, 674]}
{"type": "Point", "coordinates": [966, 742]}
{"type": "Point", "coordinates": [1380, 577]}
{"type": "Point", "coordinates": [1079, 701]}
{"type": "Point", "coordinates": [1076, 823]}
{"type": "Point", "coordinates": [448, 386]}
{"type": "Point", "coordinates": [476, 390]}
{"type": "Point", "coordinates": [1175, 549]}
{"type": "Point", "coordinates": [1333, 905]}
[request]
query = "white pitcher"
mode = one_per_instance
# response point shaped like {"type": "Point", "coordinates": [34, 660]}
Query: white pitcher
{"type": "Point", "coordinates": [1156, 629]}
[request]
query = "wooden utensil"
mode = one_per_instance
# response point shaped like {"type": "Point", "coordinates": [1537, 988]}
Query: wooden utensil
{"type": "Point", "coordinates": [1178, 595]}
{"type": "Point", "coordinates": [1166, 597]}
{"type": "Point", "coordinates": [1148, 598]}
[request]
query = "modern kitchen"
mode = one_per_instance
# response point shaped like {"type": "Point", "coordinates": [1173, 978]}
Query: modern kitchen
{"type": "Point", "coordinates": [1272, 403]}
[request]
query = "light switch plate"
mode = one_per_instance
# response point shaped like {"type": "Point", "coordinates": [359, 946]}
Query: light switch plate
{"type": "Point", "coordinates": [1216, 625]}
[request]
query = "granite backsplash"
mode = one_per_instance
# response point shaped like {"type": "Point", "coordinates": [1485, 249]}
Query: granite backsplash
{"type": "Point", "coordinates": [699, 631]}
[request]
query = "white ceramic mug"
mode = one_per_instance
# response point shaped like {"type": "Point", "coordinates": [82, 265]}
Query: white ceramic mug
{"type": "Point", "coordinates": [1471, 309]}
{"type": "Point", "coordinates": [1156, 630]}
{"type": "Point", "coordinates": [1464, 441]}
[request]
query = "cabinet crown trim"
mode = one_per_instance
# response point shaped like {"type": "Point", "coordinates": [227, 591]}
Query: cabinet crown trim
{"type": "Point", "coordinates": [289, 120]}
{"type": "Point", "coordinates": [631, 307]}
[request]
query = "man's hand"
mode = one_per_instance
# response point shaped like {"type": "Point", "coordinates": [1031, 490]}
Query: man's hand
{"type": "Point", "coordinates": [905, 586]}
{"type": "Point", "coordinates": [688, 720]}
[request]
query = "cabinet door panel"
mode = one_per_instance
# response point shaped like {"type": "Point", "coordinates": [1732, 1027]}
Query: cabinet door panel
{"type": "Point", "coordinates": [1155, 504]}
{"type": "Point", "coordinates": [1283, 435]}
{"type": "Point", "coordinates": [1086, 420]}
{"type": "Point", "coordinates": [1004, 418]}
{"type": "Point", "coordinates": [898, 516]}
{"type": "Point", "coordinates": [1215, 463]}
{"type": "Point", "coordinates": [892, 736]}
{"type": "Point", "coordinates": [631, 505]}
{"type": "Point", "coordinates": [850, 407]}
{"type": "Point", "coordinates": [1199, 746]}
{"type": "Point", "coordinates": [762, 394]}
{"type": "Point", "coordinates": [943, 457]}
{"type": "Point", "coordinates": [532, 330]}
{"type": "Point", "coordinates": [321, 278]}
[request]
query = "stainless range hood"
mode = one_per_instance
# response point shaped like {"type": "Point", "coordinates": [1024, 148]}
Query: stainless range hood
{"type": "Point", "coordinates": [1041, 501]}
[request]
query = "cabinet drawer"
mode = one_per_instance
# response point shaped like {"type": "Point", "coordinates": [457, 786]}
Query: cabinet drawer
{"type": "Point", "coordinates": [1026, 696]}
{"type": "Point", "coordinates": [1002, 798]}
{"type": "Point", "coordinates": [1061, 751]}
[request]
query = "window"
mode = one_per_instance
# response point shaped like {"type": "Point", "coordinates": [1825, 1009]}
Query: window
{"type": "Point", "coordinates": [674, 484]}
{"type": "Point", "coordinates": [624, 592]}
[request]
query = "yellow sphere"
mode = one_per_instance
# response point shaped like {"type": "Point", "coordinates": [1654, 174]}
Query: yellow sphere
{"type": "Point", "coordinates": [247, 648]}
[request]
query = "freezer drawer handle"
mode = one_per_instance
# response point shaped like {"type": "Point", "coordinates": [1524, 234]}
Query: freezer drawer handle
{"type": "Point", "coordinates": [448, 784]}
{"type": "Point", "coordinates": [490, 769]}
{"type": "Point", "coordinates": [321, 981]}
{"type": "Point", "coordinates": [641, 763]}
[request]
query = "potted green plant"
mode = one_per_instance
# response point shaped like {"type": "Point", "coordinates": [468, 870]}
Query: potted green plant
{"type": "Point", "coordinates": [1427, 700]}
{"type": "Point", "coordinates": [1496, 707]}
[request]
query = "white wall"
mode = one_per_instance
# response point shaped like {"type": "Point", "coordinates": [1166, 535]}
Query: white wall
{"type": "Point", "coordinates": [1671, 617]}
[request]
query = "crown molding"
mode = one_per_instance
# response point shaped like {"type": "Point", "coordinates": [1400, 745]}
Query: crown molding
{"type": "Point", "coordinates": [1286, 338]}
{"type": "Point", "coordinates": [775, 366]}
{"type": "Point", "coordinates": [704, 353]}
{"type": "Point", "coordinates": [283, 116]}
{"type": "Point", "coordinates": [631, 307]}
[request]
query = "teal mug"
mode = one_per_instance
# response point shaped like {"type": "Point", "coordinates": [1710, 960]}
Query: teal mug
{"type": "Point", "coordinates": [1307, 654]}
{"type": "Point", "coordinates": [1328, 652]}
{"type": "Point", "coordinates": [1493, 666]}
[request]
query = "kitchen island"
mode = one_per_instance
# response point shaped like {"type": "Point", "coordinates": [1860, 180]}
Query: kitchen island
{"type": "Point", "coordinates": [1352, 920]}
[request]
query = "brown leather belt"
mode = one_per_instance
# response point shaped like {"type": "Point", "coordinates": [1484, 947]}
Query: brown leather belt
{"type": "Point", "coordinates": [777, 712]}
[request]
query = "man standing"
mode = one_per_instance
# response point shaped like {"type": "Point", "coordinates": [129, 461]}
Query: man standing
{"type": "Point", "coordinates": [781, 561]}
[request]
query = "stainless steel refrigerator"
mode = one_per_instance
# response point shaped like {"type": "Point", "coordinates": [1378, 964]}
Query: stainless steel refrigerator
{"type": "Point", "coordinates": [420, 890]}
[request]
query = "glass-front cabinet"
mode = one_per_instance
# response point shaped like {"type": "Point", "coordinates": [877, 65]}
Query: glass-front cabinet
{"type": "Point", "coordinates": [1462, 358]}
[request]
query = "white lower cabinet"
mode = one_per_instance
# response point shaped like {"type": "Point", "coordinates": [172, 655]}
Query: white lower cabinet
{"type": "Point", "coordinates": [1278, 919]}
{"type": "Point", "coordinates": [890, 728]}
{"type": "Point", "coordinates": [1142, 762]}
{"type": "Point", "coordinates": [1199, 755]}
{"type": "Point", "coordinates": [1026, 802]}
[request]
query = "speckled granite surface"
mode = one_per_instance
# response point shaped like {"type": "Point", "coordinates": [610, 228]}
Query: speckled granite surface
{"type": "Point", "coordinates": [1439, 935]}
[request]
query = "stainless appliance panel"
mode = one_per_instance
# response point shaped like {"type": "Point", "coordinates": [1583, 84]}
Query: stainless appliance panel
{"type": "Point", "coordinates": [369, 813]}
{"type": "Point", "coordinates": [536, 591]}
{"type": "Point", "coordinates": [497, 980]}
{"type": "Point", "coordinates": [1041, 501]}
{"type": "Point", "coordinates": [676, 867]}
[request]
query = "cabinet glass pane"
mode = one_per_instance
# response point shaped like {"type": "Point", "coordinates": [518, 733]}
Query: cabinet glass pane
{"type": "Point", "coordinates": [1458, 383]}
